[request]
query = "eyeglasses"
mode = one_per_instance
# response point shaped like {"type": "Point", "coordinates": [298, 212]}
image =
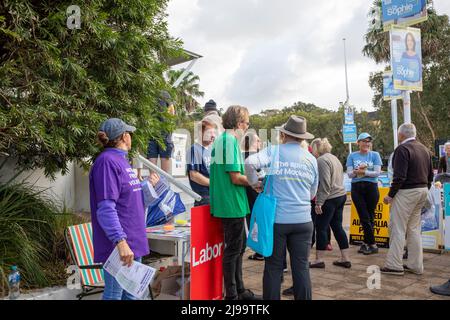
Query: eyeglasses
{"type": "Point", "coordinates": [366, 141]}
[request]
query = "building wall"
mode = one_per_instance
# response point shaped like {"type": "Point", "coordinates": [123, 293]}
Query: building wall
{"type": "Point", "coordinates": [62, 189]}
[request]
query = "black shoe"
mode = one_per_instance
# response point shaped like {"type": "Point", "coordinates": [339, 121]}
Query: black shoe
{"type": "Point", "coordinates": [411, 270]}
{"type": "Point", "coordinates": [363, 248]}
{"type": "Point", "coordinates": [392, 271]}
{"type": "Point", "coordinates": [249, 295]}
{"type": "Point", "coordinates": [370, 250]}
{"type": "Point", "coordinates": [256, 256]}
{"type": "Point", "coordinates": [443, 289]}
{"type": "Point", "coordinates": [318, 265]}
{"type": "Point", "coordinates": [288, 291]}
{"type": "Point", "coordinates": [344, 264]}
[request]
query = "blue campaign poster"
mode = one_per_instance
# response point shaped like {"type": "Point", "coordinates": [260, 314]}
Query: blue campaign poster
{"type": "Point", "coordinates": [389, 92]}
{"type": "Point", "coordinates": [348, 114]}
{"type": "Point", "coordinates": [406, 58]}
{"type": "Point", "coordinates": [349, 133]}
{"type": "Point", "coordinates": [403, 12]}
{"type": "Point", "coordinates": [447, 214]}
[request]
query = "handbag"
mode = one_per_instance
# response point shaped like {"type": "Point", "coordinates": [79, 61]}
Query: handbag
{"type": "Point", "coordinates": [260, 235]}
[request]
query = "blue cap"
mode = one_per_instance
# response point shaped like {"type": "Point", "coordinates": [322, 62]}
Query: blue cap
{"type": "Point", "coordinates": [364, 135]}
{"type": "Point", "coordinates": [114, 127]}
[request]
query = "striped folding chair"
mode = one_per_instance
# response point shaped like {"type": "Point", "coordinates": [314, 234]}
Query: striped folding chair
{"type": "Point", "coordinates": [79, 241]}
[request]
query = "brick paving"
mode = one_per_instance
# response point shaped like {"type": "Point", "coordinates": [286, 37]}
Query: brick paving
{"type": "Point", "coordinates": [337, 283]}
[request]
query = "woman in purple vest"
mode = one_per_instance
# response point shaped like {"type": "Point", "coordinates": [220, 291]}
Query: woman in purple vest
{"type": "Point", "coordinates": [117, 206]}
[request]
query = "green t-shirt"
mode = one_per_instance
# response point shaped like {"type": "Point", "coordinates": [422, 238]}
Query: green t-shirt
{"type": "Point", "coordinates": [227, 199]}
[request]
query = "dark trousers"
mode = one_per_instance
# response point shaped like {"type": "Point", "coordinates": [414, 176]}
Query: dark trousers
{"type": "Point", "coordinates": [365, 196]}
{"type": "Point", "coordinates": [313, 218]}
{"type": "Point", "coordinates": [297, 238]}
{"type": "Point", "coordinates": [235, 239]}
{"type": "Point", "coordinates": [331, 216]}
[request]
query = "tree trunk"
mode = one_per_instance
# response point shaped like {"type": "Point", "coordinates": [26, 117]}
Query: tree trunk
{"type": "Point", "coordinates": [427, 121]}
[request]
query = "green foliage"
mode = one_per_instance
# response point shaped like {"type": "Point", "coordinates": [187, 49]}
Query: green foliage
{"type": "Point", "coordinates": [322, 123]}
{"type": "Point", "coordinates": [32, 236]}
{"type": "Point", "coordinates": [186, 92]}
{"type": "Point", "coordinates": [57, 85]}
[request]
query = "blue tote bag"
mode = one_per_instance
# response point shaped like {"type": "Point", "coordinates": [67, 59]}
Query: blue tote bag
{"type": "Point", "coordinates": [260, 233]}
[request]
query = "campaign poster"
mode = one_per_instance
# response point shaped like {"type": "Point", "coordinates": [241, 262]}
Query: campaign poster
{"type": "Point", "coordinates": [207, 247]}
{"type": "Point", "coordinates": [403, 12]}
{"type": "Point", "coordinates": [348, 114]}
{"type": "Point", "coordinates": [389, 93]}
{"type": "Point", "coordinates": [349, 133]}
{"type": "Point", "coordinates": [406, 58]}
{"type": "Point", "coordinates": [179, 154]}
{"type": "Point", "coordinates": [447, 215]}
{"type": "Point", "coordinates": [380, 228]}
{"type": "Point", "coordinates": [431, 220]}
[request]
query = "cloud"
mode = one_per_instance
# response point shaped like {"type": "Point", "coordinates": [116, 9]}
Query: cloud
{"type": "Point", "coordinates": [265, 53]}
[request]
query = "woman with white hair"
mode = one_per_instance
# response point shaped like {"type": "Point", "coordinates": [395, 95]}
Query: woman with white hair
{"type": "Point", "coordinates": [330, 201]}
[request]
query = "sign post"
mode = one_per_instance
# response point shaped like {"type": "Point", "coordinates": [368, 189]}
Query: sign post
{"type": "Point", "coordinates": [389, 93]}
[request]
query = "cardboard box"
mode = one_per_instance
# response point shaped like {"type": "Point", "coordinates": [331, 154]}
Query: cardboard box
{"type": "Point", "coordinates": [167, 284]}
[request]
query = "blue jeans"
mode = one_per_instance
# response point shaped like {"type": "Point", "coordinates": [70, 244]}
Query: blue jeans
{"type": "Point", "coordinates": [113, 290]}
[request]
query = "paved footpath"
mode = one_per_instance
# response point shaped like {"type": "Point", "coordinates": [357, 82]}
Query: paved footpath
{"type": "Point", "coordinates": [351, 284]}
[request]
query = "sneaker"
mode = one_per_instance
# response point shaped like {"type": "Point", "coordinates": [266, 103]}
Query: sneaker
{"type": "Point", "coordinates": [392, 271]}
{"type": "Point", "coordinates": [288, 291]}
{"type": "Point", "coordinates": [329, 247]}
{"type": "Point", "coordinates": [411, 270]}
{"type": "Point", "coordinates": [370, 250]}
{"type": "Point", "coordinates": [249, 295]}
{"type": "Point", "coordinates": [443, 289]}
{"type": "Point", "coordinates": [318, 265]}
{"type": "Point", "coordinates": [363, 248]}
{"type": "Point", "coordinates": [344, 264]}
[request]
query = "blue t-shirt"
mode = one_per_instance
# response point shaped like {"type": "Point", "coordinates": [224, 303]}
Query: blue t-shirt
{"type": "Point", "coordinates": [199, 159]}
{"type": "Point", "coordinates": [294, 178]}
{"type": "Point", "coordinates": [370, 159]}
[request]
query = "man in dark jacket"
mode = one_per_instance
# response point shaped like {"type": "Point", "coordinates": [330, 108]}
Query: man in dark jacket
{"type": "Point", "coordinates": [413, 175]}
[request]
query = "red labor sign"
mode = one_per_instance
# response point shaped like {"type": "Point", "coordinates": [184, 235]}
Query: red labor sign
{"type": "Point", "coordinates": [206, 255]}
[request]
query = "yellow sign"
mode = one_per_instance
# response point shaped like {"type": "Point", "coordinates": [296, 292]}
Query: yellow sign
{"type": "Point", "coordinates": [380, 228]}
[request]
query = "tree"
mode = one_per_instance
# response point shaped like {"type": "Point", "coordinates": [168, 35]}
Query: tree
{"type": "Point", "coordinates": [58, 84]}
{"type": "Point", "coordinates": [187, 90]}
{"type": "Point", "coordinates": [430, 107]}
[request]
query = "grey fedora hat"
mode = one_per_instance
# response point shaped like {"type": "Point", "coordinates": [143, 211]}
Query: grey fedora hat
{"type": "Point", "coordinates": [296, 127]}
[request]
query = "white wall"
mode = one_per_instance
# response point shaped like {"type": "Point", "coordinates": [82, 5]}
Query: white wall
{"type": "Point", "coordinates": [62, 189]}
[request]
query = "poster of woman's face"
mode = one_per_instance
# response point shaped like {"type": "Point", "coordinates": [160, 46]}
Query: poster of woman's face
{"type": "Point", "coordinates": [406, 58]}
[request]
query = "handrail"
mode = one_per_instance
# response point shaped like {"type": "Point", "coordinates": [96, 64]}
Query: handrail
{"type": "Point", "coordinates": [171, 179]}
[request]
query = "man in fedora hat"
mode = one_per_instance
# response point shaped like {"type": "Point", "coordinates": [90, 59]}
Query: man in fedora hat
{"type": "Point", "coordinates": [294, 184]}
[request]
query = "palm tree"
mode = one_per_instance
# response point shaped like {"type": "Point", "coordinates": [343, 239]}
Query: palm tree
{"type": "Point", "coordinates": [187, 91]}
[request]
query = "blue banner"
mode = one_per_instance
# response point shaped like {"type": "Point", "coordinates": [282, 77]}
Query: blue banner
{"type": "Point", "coordinates": [349, 132]}
{"type": "Point", "coordinates": [389, 92]}
{"type": "Point", "coordinates": [406, 58]}
{"type": "Point", "coordinates": [403, 12]}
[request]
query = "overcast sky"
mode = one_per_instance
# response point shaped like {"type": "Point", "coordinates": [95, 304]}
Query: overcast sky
{"type": "Point", "coordinates": [269, 54]}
